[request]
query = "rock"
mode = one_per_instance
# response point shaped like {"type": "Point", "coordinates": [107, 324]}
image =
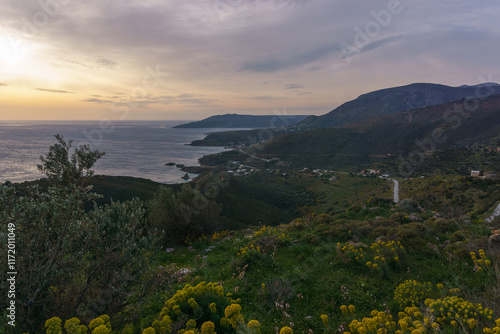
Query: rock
{"type": "Point", "coordinates": [375, 208]}
{"type": "Point", "coordinates": [415, 218]}
{"type": "Point", "coordinates": [381, 238]}
{"type": "Point", "coordinates": [434, 248]}
{"type": "Point", "coordinates": [185, 177]}
{"type": "Point", "coordinates": [170, 164]}
{"type": "Point", "coordinates": [309, 317]}
{"type": "Point", "coordinates": [444, 244]}
{"type": "Point", "coordinates": [182, 273]}
{"type": "Point", "coordinates": [169, 250]}
{"type": "Point", "coordinates": [179, 165]}
{"type": "Point", "coordinates": [358, 244]}
{"type": "Point", "coordinates": [494, 241]}
{"type": "Point", "coordinates": [495, 232]}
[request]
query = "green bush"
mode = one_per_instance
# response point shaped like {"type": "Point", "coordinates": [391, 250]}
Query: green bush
{"type": "Point", "coordinates": [72, 261]}
{"type": "Point", "coordinates": [183, 216]}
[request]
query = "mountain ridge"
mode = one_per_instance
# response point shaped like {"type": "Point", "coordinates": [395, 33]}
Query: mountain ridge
{"type": "Point", "coordinates": [396, 99]}
{"type": "Point", "coordinates": [245, 121]}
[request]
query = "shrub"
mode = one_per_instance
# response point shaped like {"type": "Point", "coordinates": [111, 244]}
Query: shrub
{"type": "Point", "coordinates": [184, 215]}
{"type": "Point", "coordinates": [408, 205]}
{"type": "Point", "coordinates": [412, 293]}
{"type": "Point", "coordinates": [203, 306]}
{"type": "Point", "coordinates": [73, 260]}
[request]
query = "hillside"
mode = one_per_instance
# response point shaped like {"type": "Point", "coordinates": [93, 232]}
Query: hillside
{"type": "Point", "coordinates": [287, 252]}
{"type": "Point", "coordinates": [427, 131]}
{"type": "Point", "coordinates": [245, 121]}
{"type": "Point", "coordinates": [394, 100]}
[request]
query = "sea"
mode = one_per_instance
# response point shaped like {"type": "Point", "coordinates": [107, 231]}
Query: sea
{"type": "Point", "coordinates": [133, 148]}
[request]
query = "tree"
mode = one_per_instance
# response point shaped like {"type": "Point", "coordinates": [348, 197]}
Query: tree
{"type": "Point", "coordinates": [70, 261]}
{"type": "Point", "coordinates": [183, 215]}
{"type": "Point", "coordinates": [62, 169]}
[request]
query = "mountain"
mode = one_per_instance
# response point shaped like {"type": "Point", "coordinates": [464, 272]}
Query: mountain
{"type": "Point", "coordinates": [245, 121]}
{"type": "Point", "coordinates": [414, 135]}
{"type": "Point", "coordinates": [396, 99]}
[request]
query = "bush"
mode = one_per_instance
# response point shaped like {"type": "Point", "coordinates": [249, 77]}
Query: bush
{"type": "Point", "coordinates": [183, 216]}
{"type": "Point", "coordinates": [408, 205]}
{"type": "Point", "coordinates": [70, 261]}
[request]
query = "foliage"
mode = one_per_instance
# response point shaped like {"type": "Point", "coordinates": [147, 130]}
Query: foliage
{"type": "Point", "coordinates": [203, 306]}
{"type": "Point", "coordinates": [70, 261]}
{"type": "Point", "coordinates": [64, 169]}
{"type": "Point", "coordinates": [184, 215]}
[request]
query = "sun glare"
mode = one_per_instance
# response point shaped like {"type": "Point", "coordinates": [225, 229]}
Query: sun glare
{"type": "Point", "coordinates": [11, 50]}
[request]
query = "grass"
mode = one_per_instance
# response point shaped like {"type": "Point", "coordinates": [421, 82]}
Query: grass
{"type": "Point", "coordinates": [306, 276]}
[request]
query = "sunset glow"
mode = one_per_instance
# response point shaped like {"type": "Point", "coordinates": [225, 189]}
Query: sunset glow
{"type": "Point", "coordinates": [192, 59]}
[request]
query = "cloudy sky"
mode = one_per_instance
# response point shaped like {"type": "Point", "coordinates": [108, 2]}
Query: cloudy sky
{"type": "Point", "coordinates": [189, 59]}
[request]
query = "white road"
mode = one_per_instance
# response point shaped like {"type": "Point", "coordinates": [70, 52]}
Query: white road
{"type": "Point", "coordinates": [396, 191]}
{"type": "Point", "coordinates": [496, 213]}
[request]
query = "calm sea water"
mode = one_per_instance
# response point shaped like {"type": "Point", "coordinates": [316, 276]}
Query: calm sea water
{"type": "Point", "coordinates": [133, 148]}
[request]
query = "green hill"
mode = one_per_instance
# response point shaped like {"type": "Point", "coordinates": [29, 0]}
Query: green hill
{"type": "Point", "coordinates": [245, 121]}
{"type": "Point", "coordinates": [395, 100]}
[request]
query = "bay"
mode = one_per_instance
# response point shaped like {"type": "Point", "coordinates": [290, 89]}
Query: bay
{"type": "Point", "coordinates": [133, 148]}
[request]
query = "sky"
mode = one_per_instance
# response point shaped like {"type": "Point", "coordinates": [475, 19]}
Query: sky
{"type": "Point", "coordinates": [190, 59]}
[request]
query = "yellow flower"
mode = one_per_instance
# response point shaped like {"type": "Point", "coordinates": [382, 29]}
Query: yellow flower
{"type": "Point", "coordinates": [343, 308]}
{"type": "Point", "coordinates": [190, 324]}
{"type": "Point", "coordinates": [324, 318]}
{"type": "Point", "coordinates": [213, 308]}
{"type": "Point", "coordinates": [208, 327]}
{"type": "Point", "coordinates": [352, 308]}
{"type": "Point", "coordinates": [440, 286]}
{"type": "Point", "coordinates": [472, 323]}
{"type": "Point", "coordinates": [253, 324]}
{"type": "Point", "coordinates": [53, 326]}
{"type": "Point", "coordinates": [286, 330]}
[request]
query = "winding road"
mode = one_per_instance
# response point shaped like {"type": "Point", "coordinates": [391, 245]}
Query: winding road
{"type": "Point", "coordinates": [495, 213]}
{"type": "Point", "coordinates": [396, 191]}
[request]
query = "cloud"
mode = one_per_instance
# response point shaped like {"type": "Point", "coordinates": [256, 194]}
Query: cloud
{"type": "Point", "coordinates": [2, 84]}
{"type": "Point", "coordinates": [189, 99]}
{"type": "Point", "coordinates": [262, 97]}
{"type": "Point", "coordinates": [55, 91]}
{"type": "Point", "coordinates": [352, 49]}
{"type": "Point", "coordinates": [106, 63]}
{"type": "Point", "coordinates": [293, 86]}
{"type": "Point", "coordinates": [96, 100]}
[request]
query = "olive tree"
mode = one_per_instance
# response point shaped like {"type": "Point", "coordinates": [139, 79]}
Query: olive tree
{"type": "Point", "coordinates": [71, 261]}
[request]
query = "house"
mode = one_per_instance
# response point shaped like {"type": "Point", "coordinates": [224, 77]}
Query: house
{"type": "Point", "coordinates": [475, 173]}
{"type": "Point", "coordinates": [488, 174]}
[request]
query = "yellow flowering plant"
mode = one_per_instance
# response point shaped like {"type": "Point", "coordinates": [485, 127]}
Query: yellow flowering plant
{"type": "Point", "coordinates": [197, 308]}
{"type": "Point", "coordinates": [412, 293]}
